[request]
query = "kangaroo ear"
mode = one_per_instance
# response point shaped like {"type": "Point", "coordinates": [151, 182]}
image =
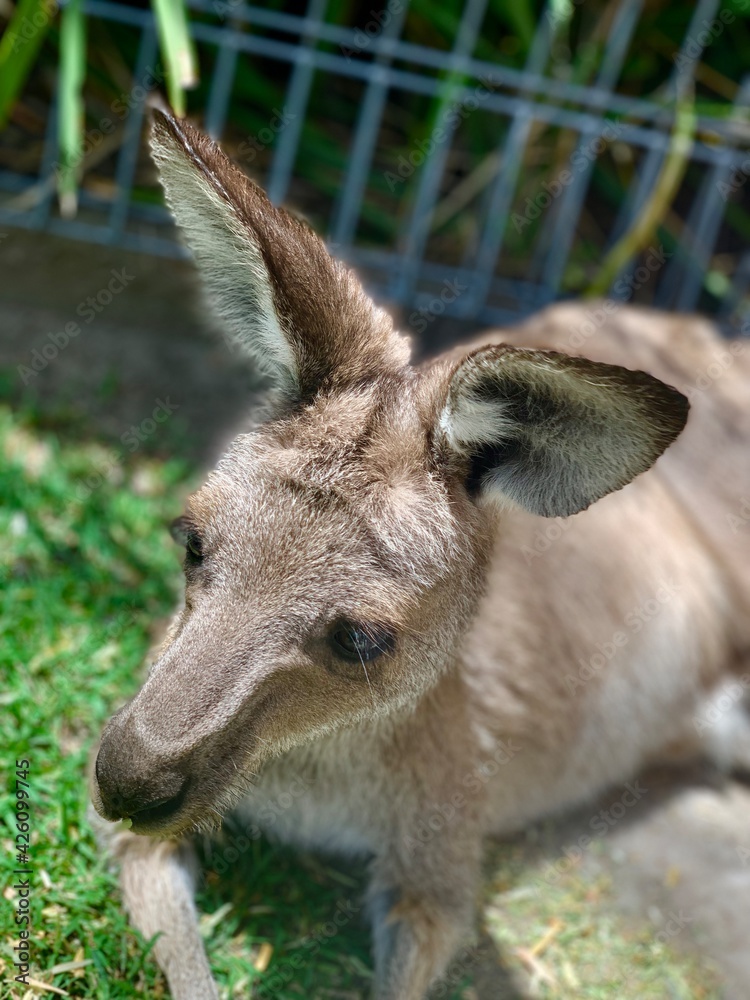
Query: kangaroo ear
{"type": "Point", "coordinates": [302, 316]}
{"type": "Point", "coordinates": [554, 433]}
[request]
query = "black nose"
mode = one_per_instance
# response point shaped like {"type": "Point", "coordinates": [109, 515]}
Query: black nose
{"type": "Point", "coordinates": [132, 786]}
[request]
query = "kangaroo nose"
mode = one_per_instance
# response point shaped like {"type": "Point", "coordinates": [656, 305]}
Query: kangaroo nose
{"type": "Point", "coordinates": [131, 785]}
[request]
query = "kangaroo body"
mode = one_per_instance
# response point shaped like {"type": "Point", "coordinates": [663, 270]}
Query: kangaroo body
{"type": "Point", "coordinates": [665, 626]}
{"type": "Point", "coordinates": [386, 650]}
{"type": "Point", "coordinates": [606, 713]}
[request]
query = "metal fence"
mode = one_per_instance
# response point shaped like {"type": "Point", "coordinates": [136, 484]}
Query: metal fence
{"type": "Point", "coordinates": [522, 101]}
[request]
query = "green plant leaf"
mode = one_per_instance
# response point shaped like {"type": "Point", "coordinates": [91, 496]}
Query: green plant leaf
{"type": "Point", "coordinates": [19, 47]}
{"type": "Point", "coordinates": [520, 16]}
{"type": "Point", "coordinates": [635, 239]}
{"type": "Point", "coordinates": [70, 96]}
{"type": "Point", "coordinates": [178, 50]}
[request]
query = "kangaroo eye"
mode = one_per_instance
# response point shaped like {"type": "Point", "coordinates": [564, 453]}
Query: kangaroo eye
{"type": "Point", "coordinates": [184, 533]}
{"type": "Point", "coordinates": [194, 546]}
{"type": "Point", "coordinates": [361, 642]}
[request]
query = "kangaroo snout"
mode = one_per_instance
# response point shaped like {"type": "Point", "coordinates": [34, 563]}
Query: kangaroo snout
{"type": "Point", "coordinates": [132, 782]}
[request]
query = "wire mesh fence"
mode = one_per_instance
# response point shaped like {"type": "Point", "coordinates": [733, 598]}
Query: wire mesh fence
{"type": "Point", "coordinates": [483, 229]}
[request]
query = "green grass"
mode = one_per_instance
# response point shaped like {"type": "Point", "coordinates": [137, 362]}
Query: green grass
{"type": "Point", "coordinates": [85, 582]}
{"type": "Point", "coordinates": [84, 578]}
{"type": "Point", "coordinates": [592, 952]}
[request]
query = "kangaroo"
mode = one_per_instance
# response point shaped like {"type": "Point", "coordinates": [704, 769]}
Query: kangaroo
{"type": "Point", "coordinates": [367, 604]}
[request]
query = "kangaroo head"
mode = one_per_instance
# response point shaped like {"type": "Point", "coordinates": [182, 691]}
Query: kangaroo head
{"type": "Point", "coordinates": [336, 555]}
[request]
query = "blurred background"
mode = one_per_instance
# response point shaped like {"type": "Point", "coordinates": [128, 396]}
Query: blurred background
{"type": "Point", "coordinates": [525, 150]}
{"type": "Point", "coordinates": [475, 161]}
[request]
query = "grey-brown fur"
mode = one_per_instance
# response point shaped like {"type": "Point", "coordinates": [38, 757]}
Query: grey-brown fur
{"type": "Point", "coordinates": [395, 498]}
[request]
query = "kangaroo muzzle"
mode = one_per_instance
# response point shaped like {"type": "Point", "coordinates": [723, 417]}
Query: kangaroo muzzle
{"type": "Point", "coordinates": [132, 782]}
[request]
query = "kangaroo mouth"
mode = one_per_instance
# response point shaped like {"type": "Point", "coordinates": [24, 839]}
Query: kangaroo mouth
{"type": "Point", "coordinates": [158, 814]}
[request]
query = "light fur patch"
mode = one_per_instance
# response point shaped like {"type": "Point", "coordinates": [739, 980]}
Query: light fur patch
{"type": "Point", "coordinates": [236, 279]}
{"type": "Point", "coordinates": [467, 420]}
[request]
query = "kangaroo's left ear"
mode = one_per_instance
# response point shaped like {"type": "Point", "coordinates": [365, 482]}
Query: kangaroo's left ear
{"type": "Point", "coordinates": [301, 315]}
{"type": "Point", "coordinates": [551, 432]}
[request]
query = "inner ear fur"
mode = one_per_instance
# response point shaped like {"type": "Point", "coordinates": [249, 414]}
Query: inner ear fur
{"type": "Point", "coordinates": [554, 433]}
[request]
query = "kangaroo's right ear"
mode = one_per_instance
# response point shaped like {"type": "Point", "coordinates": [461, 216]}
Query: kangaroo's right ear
{"type": "Point", "coordinates": [302, 316]}
{"type": "Point", "coordinates": [550, 432]}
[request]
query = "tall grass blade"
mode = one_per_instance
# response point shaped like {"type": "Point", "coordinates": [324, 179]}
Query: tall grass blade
{"type": "Point", "coordinates": [19, 46]}
{"type": "Point", "coordinates": [70, 97]}
{"type": "Point", "coordinates": [521, 16]}
{"type": "Point", "coordinates": [636, 238]}
{"type": "Point", "coordinates": [177, 49]}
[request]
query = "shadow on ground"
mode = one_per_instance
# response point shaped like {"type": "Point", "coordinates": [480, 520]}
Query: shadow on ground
{"type": "Point", "coordinates": [677, 862]}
